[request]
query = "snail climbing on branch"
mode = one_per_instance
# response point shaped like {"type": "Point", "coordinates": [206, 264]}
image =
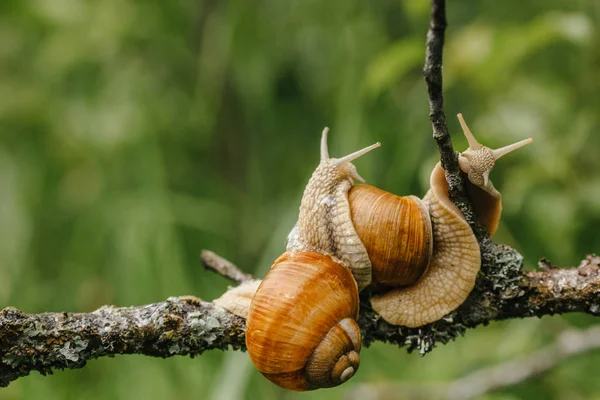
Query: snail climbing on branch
{"type": "Point", "coordinates": [420, 257]}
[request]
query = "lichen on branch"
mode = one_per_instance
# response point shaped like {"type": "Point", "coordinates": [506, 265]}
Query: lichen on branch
{"type": "Point", "coordinates": [179, 326]}
{"type": "Point", "coordinates": [189, 326]}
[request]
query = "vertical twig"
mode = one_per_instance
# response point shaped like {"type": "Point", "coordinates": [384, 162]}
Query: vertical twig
{"type": "Point", "coordinates": [432, 73]}
{"type": "Point", "coordinates": [433, 77]}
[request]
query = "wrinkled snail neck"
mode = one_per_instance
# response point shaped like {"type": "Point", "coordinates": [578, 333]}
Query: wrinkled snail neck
{"type": "Point", "coordinates": [331, 174]}
{"type": "Point", "coordinates": [324, 222]}
{"type": "Point", "coordinates": [477, 162]}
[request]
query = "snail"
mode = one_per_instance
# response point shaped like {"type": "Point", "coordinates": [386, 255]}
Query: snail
{"type": "Point", "coordinates": [420, 257]}
{"type": "Point", "coordinates": [301, 331]}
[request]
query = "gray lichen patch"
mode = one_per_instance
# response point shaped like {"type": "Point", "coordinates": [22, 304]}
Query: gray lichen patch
{"type": "Point", "coordinates": [206, 329]}
{"type": "Point", "coordinates": [71, 350]}
{"type": "Point", "coordinates": [178, 326]}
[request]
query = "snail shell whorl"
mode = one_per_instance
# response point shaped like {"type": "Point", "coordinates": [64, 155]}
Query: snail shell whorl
{"type": "Point", "coordinates": [452, 271]}
{"type": "Point", "coordinates": [396, 232]}
{"type": "Point", "coordinates": [300, 331]}
{"type": "Point", "coordinates": [336, 359]}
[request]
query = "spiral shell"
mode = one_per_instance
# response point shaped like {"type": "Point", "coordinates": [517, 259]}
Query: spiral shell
{"type": "Point", "coordinates": [301, 332]}
{"type": "Point", "coordinates": [396, 232]}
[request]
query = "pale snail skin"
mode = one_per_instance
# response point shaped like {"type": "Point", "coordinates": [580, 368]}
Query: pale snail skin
{"type": "Point", "coordinates": [448, 262]}
{"type": "Point", "coordinates": [456, 258]}
{"type": "Point", "coordinates": [324, 223]}
{"type": "Point", "coordinates": [237, 300]}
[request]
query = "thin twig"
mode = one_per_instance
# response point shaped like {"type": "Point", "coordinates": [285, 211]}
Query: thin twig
{"type": "Point", "coordinates": [432, 72]}
{"type": "Point", "coordinates": [224, 267]}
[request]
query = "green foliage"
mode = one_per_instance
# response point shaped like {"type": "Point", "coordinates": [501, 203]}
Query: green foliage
{"type": "Point", "coordinates": [134, 134]}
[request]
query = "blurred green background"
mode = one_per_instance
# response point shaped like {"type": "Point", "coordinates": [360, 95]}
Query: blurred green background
{"type": "Point", "coordinates": [133, 134]}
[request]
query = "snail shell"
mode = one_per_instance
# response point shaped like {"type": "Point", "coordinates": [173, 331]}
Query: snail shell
{"type": "Point", "coordinates": [432, 268]}
{"type": "Point", "coordinates": [397, 259]}
{"type": "Point", "coordinates": [301, 332]}
{"type": "Point", "coordinates": [453, 269]}
{"type": "Point", "coordinates": [456, 258]}
{"type": "Point", "coordinates": [427, 248]}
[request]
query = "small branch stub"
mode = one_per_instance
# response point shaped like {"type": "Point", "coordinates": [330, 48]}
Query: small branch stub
{"type": "Point", "coordinates": [224, 267]}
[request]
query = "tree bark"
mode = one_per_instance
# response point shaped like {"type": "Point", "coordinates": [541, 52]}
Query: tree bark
{"type": "Point", "coordinates": [179, 326]}
{"type": "Point", "coordinates": [189, 326]}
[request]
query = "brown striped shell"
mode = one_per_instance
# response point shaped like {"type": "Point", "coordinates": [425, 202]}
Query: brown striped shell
{"type": "Point", "coordinates": [452, 271]}
{"type": "Point", "coordinates": [301, 332]}
{"type": "Point", "coordinates": [386, 240]}
{"type": "Point", "coordinates": [399, 258]}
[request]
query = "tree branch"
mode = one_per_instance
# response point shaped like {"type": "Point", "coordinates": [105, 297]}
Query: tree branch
{"type": "Point", "coordinates": [179, 326]}
{"type": "Point", "coordinates": [189, 326]}
{"type": "Point", "coordinates": [224, 267]}
{"type": "Point", "coordinates": [432, 72]}
{"type": "Point", "coordinates": [508, 293]}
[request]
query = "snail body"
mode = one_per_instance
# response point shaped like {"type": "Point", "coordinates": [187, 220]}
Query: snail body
{"type": "Point", "coordinates": [450, 277]}
{"type": "Point", "coordinates": [420, 257]}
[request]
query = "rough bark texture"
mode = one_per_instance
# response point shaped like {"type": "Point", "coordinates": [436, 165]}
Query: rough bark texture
{"type": "Point", "coordinates": [189, 326]}
{"type": "Point", "coordinates": [179, 326]}
{"type": "Point", "coordinates": [507, 293]}
{"type": "Point", "coordinates": [432, 72]}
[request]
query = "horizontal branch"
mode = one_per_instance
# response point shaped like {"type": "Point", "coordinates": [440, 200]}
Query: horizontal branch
{"type": "Point", "coordinates": [507, 293]}
{"type": "Point", "coordinates": [189, 326]}
{"type": "Point", "coordinates": [179, 326]}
